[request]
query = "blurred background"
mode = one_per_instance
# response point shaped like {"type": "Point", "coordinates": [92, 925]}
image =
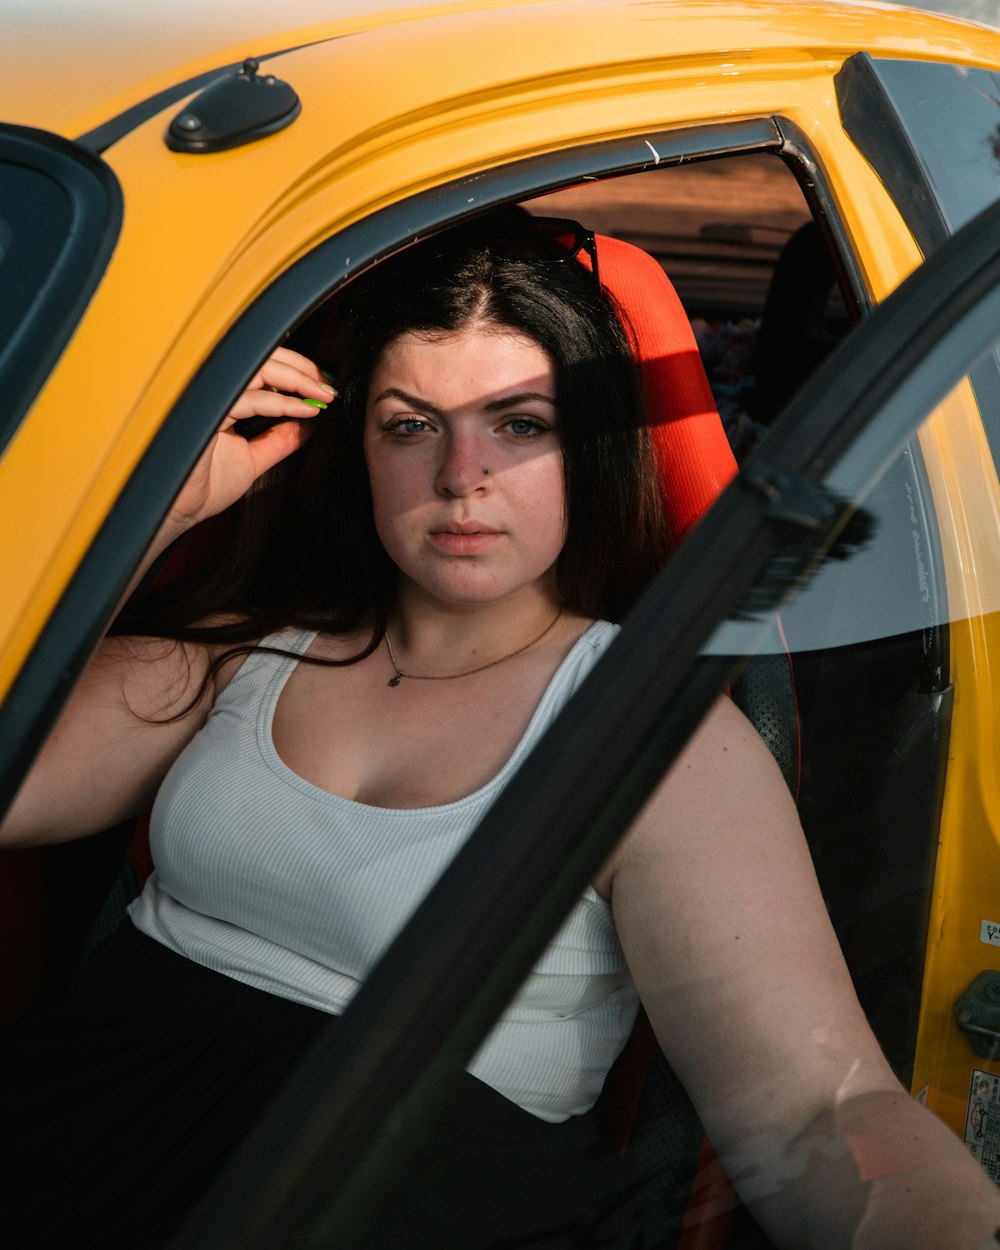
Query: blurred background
{"type": "Point", "coordinates": [978, 10]}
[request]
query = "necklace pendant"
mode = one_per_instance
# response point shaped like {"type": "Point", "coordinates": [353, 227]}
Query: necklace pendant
{"type": "Point", "coordinates": [394, 681]}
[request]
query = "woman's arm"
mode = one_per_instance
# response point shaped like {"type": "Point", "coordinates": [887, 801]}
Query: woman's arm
{"type": "Point", "coordinates": [113, 743]}
{"type": "Point", "coordinates": [138, 703]}
{"type": "Point", "coordinates": [726, 933]}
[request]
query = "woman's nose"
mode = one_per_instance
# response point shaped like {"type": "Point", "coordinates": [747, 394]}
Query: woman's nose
{"type": "Point", "coordinates": [464, 467]}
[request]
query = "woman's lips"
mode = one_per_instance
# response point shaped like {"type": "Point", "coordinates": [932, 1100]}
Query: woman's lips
{"type": "Point", "coordinates": [471, 544]}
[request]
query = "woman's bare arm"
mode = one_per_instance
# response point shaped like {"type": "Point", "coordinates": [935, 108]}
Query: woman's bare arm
{"type": "Point", "coordinates": [113, 743]}
{"type": "Point", "coordinates": [142, 699]}
{"type": "Point", "coordinates": [726, 933]}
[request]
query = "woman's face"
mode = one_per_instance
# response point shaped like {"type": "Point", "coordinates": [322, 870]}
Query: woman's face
{"type": "Point", "coordinates": [465, 464]}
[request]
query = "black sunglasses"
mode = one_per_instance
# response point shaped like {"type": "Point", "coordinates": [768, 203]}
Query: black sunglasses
{"type": "Point", "coordinates": [553, 240]}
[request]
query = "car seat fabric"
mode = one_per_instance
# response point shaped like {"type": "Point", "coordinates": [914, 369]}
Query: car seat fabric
{"type": "Point", "coordinates": [765, 693]}
{"type": "Point", "coordinates": [694, 459]}
{"type": "Point", "coordinates": [692, 451]}
{"type": "Point", "coordinates": [801, 323]}
{"type": "Point", "coordinates": [686, 1194]}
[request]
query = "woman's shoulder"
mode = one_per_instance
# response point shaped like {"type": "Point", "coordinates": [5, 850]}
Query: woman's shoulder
{"type": "Point", "coordinates": [590, 639]}
{"type": "Point", "coordinates": [600, 634]}
{"type": "Point", "coordinates": [231, 651]}
{"type": "Point", "coordinates": [594, 638]}
{"type": "Point", "coordinates": [290, 641]}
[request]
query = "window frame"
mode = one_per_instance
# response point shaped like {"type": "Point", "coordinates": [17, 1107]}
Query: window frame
{"type": "Point", "coordinates": [76, 625]}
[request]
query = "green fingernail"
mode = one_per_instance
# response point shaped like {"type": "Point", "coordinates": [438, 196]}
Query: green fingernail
{"type": "Point", "coordinates": [314, 403]}
{"type": "Point", "coordinates": [329, 376]}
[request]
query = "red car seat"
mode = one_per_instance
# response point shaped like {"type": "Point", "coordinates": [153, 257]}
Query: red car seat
{"type": "Point", "coordinates": [692, 451]}
{"type": "Point", "coordinates": [686, 1195]}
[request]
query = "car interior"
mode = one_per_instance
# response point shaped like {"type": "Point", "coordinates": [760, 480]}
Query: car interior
{"type": "Point", "coordinates": [865, 723]}
{"type": "Point", "coordinates": [760, 279]}
{"type": "Point", "coordinates": [756, 299]}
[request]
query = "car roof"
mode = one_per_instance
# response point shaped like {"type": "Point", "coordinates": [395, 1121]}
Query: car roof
{"type": "Point", "coordinates": [70, 67]}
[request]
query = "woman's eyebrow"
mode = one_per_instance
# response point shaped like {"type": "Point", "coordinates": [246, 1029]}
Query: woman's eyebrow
{"type": "Point", "coordinates": [414, 401]}
{"type": "Point", "coordinates": [511, 401]}
{"type": "Point", "coordinates": [494, 405]}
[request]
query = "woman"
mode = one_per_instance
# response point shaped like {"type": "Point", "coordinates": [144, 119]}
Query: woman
{"type": "Point", "coordinates": [447, 557]}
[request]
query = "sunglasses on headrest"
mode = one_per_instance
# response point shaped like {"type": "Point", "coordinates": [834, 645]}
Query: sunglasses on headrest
{"type": "Point", "coordinates": [553, 240]}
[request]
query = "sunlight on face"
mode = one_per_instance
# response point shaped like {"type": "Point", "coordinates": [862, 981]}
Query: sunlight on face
{"type": "Point", "coordinates": [465, 463]}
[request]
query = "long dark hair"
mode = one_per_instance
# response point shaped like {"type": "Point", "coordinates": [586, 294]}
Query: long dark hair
{"type": "Point", "coordinates": [301, 547]}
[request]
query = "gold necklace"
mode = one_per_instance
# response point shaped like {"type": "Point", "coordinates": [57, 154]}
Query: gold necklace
{"type": "Point", "coordinates": [394, 681]}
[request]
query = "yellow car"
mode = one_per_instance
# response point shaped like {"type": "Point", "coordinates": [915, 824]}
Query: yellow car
{"type": "Point", "coordinates": [183, 185]}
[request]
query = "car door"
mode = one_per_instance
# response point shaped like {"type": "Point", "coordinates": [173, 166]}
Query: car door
{"type": "Point", "coordinates": [804, 506]}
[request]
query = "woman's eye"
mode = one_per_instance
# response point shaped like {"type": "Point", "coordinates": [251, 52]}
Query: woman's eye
{"type": "Point", "coordinates": [525, 427]}
{"type": "Point", "coordinates": [406, 426]}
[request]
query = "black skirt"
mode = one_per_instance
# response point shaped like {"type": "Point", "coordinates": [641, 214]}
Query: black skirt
{"type": "Point", "coordinates": [118, 1109]}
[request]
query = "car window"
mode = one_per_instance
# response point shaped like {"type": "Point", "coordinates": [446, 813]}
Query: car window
{"type": "Point", "coordinates": [932, 133]}
{"type": "Point", "coordinates": [34, 224]}
{"type": "Point", "coordinates": [952, 115]}
{"type": "Point", "coordinates": [59, 216]}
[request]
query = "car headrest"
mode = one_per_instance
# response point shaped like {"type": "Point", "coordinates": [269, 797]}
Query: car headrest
{"type": "Point", "coordinates": [693, 454]}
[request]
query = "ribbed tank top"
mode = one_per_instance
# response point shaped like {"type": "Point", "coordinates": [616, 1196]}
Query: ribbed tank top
{"type": "Point", "coordinates": [268, 879]}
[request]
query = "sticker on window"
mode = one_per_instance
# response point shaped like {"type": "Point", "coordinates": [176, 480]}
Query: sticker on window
{"type": "Point", "coordinates": [989, 932]}
{"type": "Point", "coordinates": [982, 1121]}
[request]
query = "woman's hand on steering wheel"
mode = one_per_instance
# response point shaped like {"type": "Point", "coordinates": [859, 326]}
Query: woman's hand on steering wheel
{"type": "Point", "coordinates": [231, 463]}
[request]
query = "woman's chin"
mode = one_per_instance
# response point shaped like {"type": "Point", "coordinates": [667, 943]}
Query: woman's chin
{"type": "Point", "coordinates": [476, 591]}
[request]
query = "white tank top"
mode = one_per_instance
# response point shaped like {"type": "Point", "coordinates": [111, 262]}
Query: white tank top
{"type": "Point", "coordinates": [268, 879]}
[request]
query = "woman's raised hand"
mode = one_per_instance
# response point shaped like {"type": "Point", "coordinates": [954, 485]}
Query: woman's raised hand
{"type": "Point", "coordinates": [231, 463]}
